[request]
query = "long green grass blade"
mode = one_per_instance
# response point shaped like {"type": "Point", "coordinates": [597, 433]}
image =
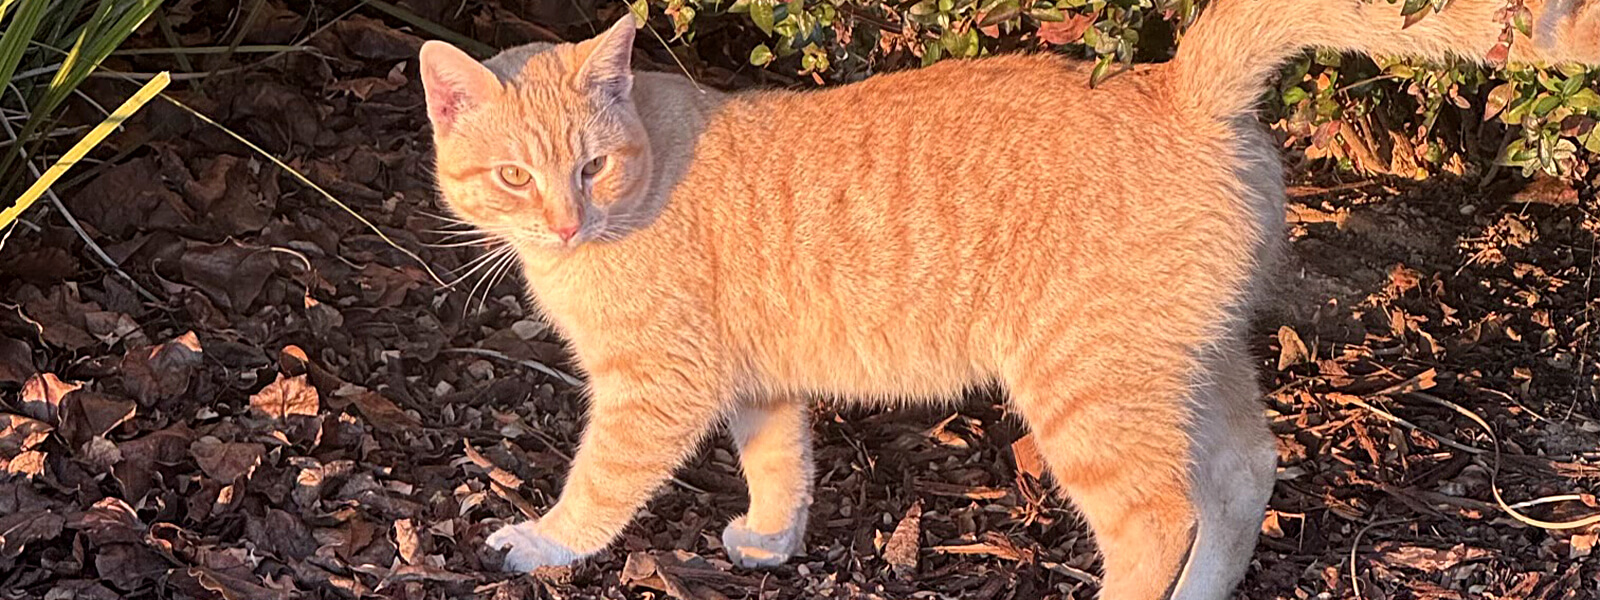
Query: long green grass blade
{"type": "Point", "coordinates": [14, 42]}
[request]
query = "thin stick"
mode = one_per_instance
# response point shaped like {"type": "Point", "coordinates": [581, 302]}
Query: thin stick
{"type": "Point", "coordinates": [1494, 473]}
{"type": "Point", "coordinates": [307, 181]}
{"type": "Point", "coordinates": [535, 365]}
{"type": "Point", "coordinates": [1355, 584]}
{"type": "Point", "coordinates": [4, 238]}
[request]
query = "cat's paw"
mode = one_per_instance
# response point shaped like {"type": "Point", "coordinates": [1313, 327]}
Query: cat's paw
{"type": "Point", "coordinates": [750, 549]}
{"type": "Point", "coordinates": [527, 549]}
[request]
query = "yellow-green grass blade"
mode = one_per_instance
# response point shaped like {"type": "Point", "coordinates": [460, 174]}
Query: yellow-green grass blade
{"type": "Point", "coordinates": [82, 148]}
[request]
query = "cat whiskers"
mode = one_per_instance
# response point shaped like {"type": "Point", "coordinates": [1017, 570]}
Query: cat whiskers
{"type": "Point", "coordinates": [478, 263]}
{"type": "Point", "coordinates": [504, 257]}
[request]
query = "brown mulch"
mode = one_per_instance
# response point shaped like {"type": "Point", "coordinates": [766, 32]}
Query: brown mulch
{"type": "Point", "coordinates": [298, 410]}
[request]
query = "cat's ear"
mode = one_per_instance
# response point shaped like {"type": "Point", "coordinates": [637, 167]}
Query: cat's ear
{"type": "Point", "coordinates": [607, 66]}
{"type": "Point", "coordinates": [454, 82]}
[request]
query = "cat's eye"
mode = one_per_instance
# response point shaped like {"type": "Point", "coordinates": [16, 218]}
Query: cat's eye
{"type": "Point", "coordinates": [593, 166]}
{"type": "Point", "coordinates": [514, 176]}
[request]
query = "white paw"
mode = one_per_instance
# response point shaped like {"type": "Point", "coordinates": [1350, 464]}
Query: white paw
{"type": "Point", "coordinates": [527, 549]}
{"type": "Point", "coordinates": [749, 549]}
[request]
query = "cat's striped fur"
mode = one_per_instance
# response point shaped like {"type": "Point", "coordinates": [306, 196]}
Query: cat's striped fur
{"type": "Point", "coordinates": [1093, 252]}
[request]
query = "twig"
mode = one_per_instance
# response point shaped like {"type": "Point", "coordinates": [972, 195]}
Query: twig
{"type": "Point", "coordinates": [1494, 473]}
{"type": "Point", "coordinates": [7, 236]}
{"type": "Point", "coordinates": [1355, 583]}
{"type": "Point", "coordinates": [535, 365]}
{"type": "Point", "coordinates": [1513, 400]}
{"type": "Point", "coordinates": [1391, 417]}
{"type": "Point", "coordinates": [307, 181]}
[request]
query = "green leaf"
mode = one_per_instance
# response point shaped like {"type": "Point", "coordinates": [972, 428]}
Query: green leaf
{"type": "Point", "coordinates": [973, 47]}
{"type": "Point", "coordinates": [1545, 104]}
{"type": "Point", "coordinates": [932, 51]}
{"type": "Point", "coordinates": [954, 43]}
{"type": "Point", "coordinates": [761, 55]}
{"type": "Point", "coordinates": [1101, 67]}
{"type": "Point", "coordinates": [1591, 141]}
{"type": "Point", "coordinates": [1414, 6]}
{"type": "Point", "coordinates": [641, 11]}
{"type": "Point", "coordinates": [1548, 82]}
{"type": "Point", "coordinates": [1047, 13]}
{"type": "Point", "coordinates": [1572, 69]}
{"type": "Point", "coordinates": [1571, 86]}
{"type": "Point", "coordinates": [761, 15]}
{"type": "Point", "coordinates": [1002, 11]}
{"type": "Point", "coordinates": [1517, 112]}
{"type": "Point", "coordinates": [925, 12]}
{"type": "Point", "coordinates": [1523, 20]}
{"type": "Point", "coordinates": [1091, 37]}
{"type": "Point", "coordinates": [1585, 99]}
{"type": "Point", "coordinates": [1294, 95]}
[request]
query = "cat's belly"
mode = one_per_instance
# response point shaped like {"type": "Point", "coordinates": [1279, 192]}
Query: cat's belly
{"type": "Point", "coordinates": [918, 356]}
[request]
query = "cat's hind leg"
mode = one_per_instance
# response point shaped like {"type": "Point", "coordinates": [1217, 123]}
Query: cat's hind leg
{"type": "Point", "coordinates": [1233, 469]}
{"type": "Point", "coordinates": [1117, 434]}
{"type": "Point", "coordinates": [774, 441]}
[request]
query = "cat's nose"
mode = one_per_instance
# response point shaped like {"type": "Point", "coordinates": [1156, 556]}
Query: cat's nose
{"type": "Point", "coordinates": [566, 231]}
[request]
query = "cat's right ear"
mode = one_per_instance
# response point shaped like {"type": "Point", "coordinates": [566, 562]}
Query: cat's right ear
{"type": "Point", "coordinates": [454, 82]}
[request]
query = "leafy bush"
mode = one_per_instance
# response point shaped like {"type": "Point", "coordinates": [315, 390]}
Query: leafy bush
{"type": "Point", "coordinates": [1319, 99]}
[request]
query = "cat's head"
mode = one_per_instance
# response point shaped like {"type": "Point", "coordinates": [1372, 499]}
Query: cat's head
{"type": "Point", "coordinates": [541, 145]}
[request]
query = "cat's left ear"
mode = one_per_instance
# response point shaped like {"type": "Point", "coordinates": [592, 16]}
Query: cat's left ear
{"type": "Point", "coordinates": [453, 82]}
{"type": "Point", "coordinates": [607, 68]}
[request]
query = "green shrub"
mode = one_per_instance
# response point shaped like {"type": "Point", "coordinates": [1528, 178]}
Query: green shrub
{"type": "Point", "coordinates": [1553, 110]}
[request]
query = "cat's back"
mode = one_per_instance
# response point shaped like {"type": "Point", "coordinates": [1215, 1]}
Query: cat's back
{"type": "Point", "coordinates": [913, 218]}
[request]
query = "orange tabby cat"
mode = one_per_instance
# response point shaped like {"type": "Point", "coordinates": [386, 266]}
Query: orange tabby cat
{"type": "Point", "coordinates": [718, 257]}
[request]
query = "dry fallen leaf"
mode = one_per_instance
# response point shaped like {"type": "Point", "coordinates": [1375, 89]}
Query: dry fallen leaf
{"type": "Point", "coordinates": [143, 457]}
{"type": "Point", "coordinates": [992, 544]}
{"type": "Point", "coordinates": [497, 474]}
{"type": "Point", "coordinates": [20, 528]}
{"type": "Point", "coordinates": [61, 316]}
{"type": "Point", "coordinates": [161, 372]}
{"type": "Point", "coordinates": [16, 360]}
{"type": "Point", "coordinates": [19, 433]}
{"type": "Point", "coordinates": [230, 274]}
{"type": "Point", "coordinates": [1430, 560]}
{"type": "Point", "coordinates": [382, 413]}
{"type": "Point", "coordinates": [285, 397]}
{"type": "Point", "coordinates": [42, 394]}
{"type": "Point", "coordinates": [224, 461]}
{"type": "Point", "coordinates": [1582, 545]}
{"type": "Point", "coordinates": [407, 541]}
{"type": "Point", "coordinates": [902, 548]}
{"type": "Point", "coordinates": [86, 415]}
{"type": "Point", "coordinates": [1291, 351]}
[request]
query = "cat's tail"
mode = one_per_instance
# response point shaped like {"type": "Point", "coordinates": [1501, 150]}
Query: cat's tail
{"type": "Point", "coordinates": [1225, 61]}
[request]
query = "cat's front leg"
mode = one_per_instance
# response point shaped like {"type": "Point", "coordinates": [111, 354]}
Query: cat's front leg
{"type": "Point", "coordinates": [643, 422]}
{"type": "Point", "coordinates": [774, 441]}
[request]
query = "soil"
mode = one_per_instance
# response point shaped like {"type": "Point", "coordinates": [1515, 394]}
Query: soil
{"type": "Point", "coordinates": [278, 403]}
